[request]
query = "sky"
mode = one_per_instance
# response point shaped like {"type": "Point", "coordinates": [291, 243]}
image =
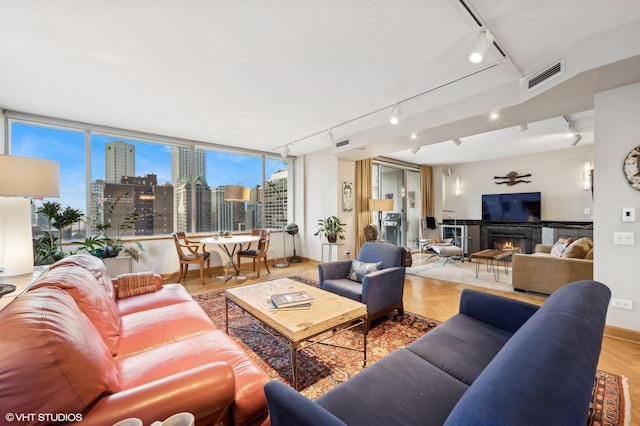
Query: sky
{"type": "Point", "coordinates": [68, 148]}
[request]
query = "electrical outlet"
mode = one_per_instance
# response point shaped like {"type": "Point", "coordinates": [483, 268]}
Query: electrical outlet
{"type": "Point", "coordinates": [623, 238]}
{"type": "Point", "coordinates": [622, 303]}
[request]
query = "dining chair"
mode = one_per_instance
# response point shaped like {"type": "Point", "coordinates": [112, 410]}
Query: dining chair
{"type": "Point", "coordinates": [258, 253]}
{"type": "Point", "coordinates": [190, 253]}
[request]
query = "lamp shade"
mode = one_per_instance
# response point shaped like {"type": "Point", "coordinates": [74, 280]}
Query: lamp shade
{"type": "Point", "coordinates": [29, 177]}
{"type": "Point", "coordinates": [380, 204]}
{"type": "Point", "coordinates": [236, 193]}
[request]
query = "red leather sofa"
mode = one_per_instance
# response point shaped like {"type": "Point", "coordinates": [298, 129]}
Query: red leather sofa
{"type": "Point", "coordinates": [71, 347]}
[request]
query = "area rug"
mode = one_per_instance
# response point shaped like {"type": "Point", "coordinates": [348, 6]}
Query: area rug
{"type": "Point", "coordinates": [464, 273]}
{"type": "Point", "coordinates": [321, 367]}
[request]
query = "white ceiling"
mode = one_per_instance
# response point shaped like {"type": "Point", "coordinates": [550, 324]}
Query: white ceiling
{"type": "Point", "coordinates": [261, 75]}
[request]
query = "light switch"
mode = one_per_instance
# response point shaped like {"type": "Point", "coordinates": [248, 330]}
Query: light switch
{"type": "Point", "coordinates": [623, 238]}
{"type": "Point", "coordinates": [629, 214]}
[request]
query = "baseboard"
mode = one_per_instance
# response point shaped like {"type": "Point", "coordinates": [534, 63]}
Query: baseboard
{"type": "Point", "coordinates": [624, 334]}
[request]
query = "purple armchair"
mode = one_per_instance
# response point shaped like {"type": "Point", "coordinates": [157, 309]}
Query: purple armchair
{"type": "Point", "coordinates": [381, 290]}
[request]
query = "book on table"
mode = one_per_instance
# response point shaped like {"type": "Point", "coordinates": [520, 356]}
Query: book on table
{"type": "Point", "coordinates": [294, 298]}
{"type": "Point", "coordinates": [306, 306]}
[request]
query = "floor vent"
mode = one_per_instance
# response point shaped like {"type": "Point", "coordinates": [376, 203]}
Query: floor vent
{"type": "Point", "coordinates": [550, 73]}
{"type": "Point", "coordinates": [342, 143]}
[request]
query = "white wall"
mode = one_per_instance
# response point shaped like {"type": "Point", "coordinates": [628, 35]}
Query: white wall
{"type": "Point", "coordinates": [558, 175]}
{"type": "Point", "coordinates": [617, 126]}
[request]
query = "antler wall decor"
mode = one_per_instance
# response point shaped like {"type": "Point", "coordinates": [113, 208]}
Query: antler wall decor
{"type": "Point", "coordinates": [512, 178]}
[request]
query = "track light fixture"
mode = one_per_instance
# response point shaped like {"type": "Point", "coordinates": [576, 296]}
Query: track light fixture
{"type": "Point", "coordinates": [522, 127]}
{"type": "Point", "coordinates": [415, 149]}
{"type": "Point", "coordinates": [457, 141]}
{"type": "Point", "coordinates": [395, 114]}
{"type": "Point", "coordinates": [285, 151]}
{"type": "Point", "coordinates": [574, 141]}
{"type": "Point", "coordinates": [571, 132]}
{"type": "Point", "coordinates": [414, 136]}
{"type": "Point", "coordinates": [330, 137]}
{"type": "Point", "coordinates": [485, 40]}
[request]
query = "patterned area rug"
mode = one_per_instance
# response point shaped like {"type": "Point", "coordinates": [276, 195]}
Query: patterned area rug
{"type": "Point", "coordinates": [323, 367]}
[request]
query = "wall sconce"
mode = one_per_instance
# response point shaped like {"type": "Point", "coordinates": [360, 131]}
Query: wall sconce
{"type": "Point", "coordinates": [586, 176]}
{"type": "Point", "coordinates": [458, 188]}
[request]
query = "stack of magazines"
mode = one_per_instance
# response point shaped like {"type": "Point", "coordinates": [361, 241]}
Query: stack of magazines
{"type": "Point", "coordinates": [295, 300]}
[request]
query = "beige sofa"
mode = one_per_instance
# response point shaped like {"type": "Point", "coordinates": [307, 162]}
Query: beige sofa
{"type": "Point", "coordinates": [543, 272]}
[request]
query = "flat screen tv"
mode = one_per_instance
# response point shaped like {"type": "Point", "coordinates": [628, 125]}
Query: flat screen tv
{"type": "Point", "coordinates": [515, 207]}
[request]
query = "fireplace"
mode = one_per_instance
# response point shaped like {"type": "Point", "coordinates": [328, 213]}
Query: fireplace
{"type": "Point", "coordinates": [511, 241]}
{"type": "Point", "coordinates": [522, 238]}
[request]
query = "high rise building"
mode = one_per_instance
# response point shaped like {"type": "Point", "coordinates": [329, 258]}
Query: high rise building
{"type": "Point", "coordinates": [181, 175]}
{"type": "Point", "coordinates": [182, 195]}
{"type": "Point", "coordinates": [119, 161]}
{"type": "Point", "coordinates": [275, 200]}
{"type": "Point", "coordinates": [226, 215]}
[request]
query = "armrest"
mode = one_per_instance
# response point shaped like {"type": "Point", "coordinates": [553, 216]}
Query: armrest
{"type": "Point", "coordinates": [333, 270]}
{"type": "Point", "coordinates": [382, 288]}
{"type": "Point", "coordinates": [498, 311]}
{"type": "Point", "coordinates": [203, 391]}
{"type": "Point", "coordinates": [543, 248]}
{"type": "Point", "coordinates": [289, 407]}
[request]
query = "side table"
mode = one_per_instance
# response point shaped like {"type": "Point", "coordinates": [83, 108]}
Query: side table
{"type": "Point", "coordinates": [330, 246]}
{"type": "Point", "coordinates": [21, 282]}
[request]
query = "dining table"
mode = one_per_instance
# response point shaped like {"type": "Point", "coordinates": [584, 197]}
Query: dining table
{"type": "Point", "coordinates": [231, 245]}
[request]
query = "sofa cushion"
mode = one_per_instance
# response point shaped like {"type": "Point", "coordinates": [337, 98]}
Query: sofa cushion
{"type": "Point", "coordinates": [560, 246]}
{"type": "Point", "coordinates": [94, 265]}
{"type": "Point", "coordinates": [360, 269]}
{"type": "Point", "coordinates": [90, 297]}
{"type": "Point", "coordinates": [578, 249]}
{"type": "Point", "coordinates": [461, 346]}
{"type": "Point", "coordinates": [413, 392]}
{"type": "Point", "coordinates": [51, 346]}
{"type": "Point", "coordinates": [192, 352]}
{"type": "Point", "coordinates": [166, 295]}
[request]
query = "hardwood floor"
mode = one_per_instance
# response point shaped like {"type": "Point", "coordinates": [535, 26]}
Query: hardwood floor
{"type": "Point", "coordinates": [439, 300]}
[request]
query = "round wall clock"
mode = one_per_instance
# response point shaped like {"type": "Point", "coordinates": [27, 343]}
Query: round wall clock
{"type": "Point", "coordinates": [631, 168]}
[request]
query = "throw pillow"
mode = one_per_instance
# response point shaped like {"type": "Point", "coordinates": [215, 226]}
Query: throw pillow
{"type": "Point", "coordinates": [360, 269]}
{"type": "Point", "coordinates": [559, 247]}
{"type": "Point", "coordinates": [578, 249]}
{"type": "Point", "coordinates": [136, 283]}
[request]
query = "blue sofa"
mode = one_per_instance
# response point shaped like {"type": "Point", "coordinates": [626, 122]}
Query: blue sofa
{"type": "Point", "coordinates": [498, 361]}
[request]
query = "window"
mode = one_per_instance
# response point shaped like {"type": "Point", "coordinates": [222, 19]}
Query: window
{"type": "Point", "coordinates": [174, 184]}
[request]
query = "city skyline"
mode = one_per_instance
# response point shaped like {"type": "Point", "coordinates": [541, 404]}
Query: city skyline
{"type": "Point", "coordinates": [68, 148]}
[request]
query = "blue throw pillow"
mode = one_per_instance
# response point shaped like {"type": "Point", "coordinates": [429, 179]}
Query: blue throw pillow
{"type": "Point", "coordinates": [360, 269]}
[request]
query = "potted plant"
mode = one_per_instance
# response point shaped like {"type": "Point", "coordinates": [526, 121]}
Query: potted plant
{"type": "Point", "coordinates": [108, 242]}
{"type": "Point", "coordinates": [332, 228]}
{"type": "Point", "coordinates": [47, 249]}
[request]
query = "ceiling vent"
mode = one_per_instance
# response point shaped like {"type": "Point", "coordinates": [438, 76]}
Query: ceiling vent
{"type": "Point", "coordinates": [555, 70]}
{"type": "Point", "coordinates": [342, 143]}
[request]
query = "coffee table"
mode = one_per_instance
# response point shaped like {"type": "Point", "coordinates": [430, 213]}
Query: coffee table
{"type": "Point", "coordinates": [329, 313]}
{"type": "Point", "coordinates": [493, 257]}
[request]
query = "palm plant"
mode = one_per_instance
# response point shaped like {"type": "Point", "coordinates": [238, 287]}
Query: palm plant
{"type": "Point", "coordinates": [48, 248]}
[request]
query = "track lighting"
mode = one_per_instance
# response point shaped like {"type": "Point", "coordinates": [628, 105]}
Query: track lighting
{"type": "Point", "coordinates": [330, 137]}
{"type": "Point", "coordinates": [395, 114]}
{"type": "Point", "coordinates": [570, 131]}
{"type": "Point", "coordinates": [414, 135]}
{"type": "Point", "coordinates": [575, 140]}
{"type": "Point", "coordinates": [457, 141]}
{"type": "Point", "coordinates": [415, 149]}
{"type": "Point", "coordinates": [485, 40]}
{"type": "Point", "coordinates": [522, 127]}
{"type": "Point", "coordinates": [494, 115]}
{"type": "Point", "coordinates": [285, 151]}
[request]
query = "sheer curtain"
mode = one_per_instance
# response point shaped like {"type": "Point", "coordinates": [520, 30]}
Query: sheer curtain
{"type": "Point", "coordinates": [363, 191]}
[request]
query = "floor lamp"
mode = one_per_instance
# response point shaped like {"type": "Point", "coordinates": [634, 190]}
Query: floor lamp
{"type": "Point", "coordinates": [22, 178]}
{"type": "Point", "coordinates": [242, 194]}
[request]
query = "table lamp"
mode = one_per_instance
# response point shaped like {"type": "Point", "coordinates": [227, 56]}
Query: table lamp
{"type": "Point", "coordinates": [21, 178]}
